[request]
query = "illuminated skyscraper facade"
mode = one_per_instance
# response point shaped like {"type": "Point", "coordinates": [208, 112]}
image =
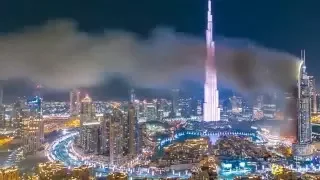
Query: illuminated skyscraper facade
{"type": "Point", "coordinates": [211, 93]}
{"type": "Point", "coordinates": [86, 110]}
{"type": "Point", "coordinates": [74, 102]}
{"type": "Point", "coordinates": [132, 96]}
{"type": "Point", "coordinates": [116, 139]}
{"type": "Point", "coordinates": [18, 114]}
{"type": "Point", "coordinates": [150, 111]}
{"type": "Point", "coordinates": [33, 135]}
{"type": "Point", "coordinates": [302, 147]}
{"type": "Point", "coordinates": [175, 103]}
{"type": "Point", "coordinates": [2, 109]}
{"type": "Point", "coordinates": [131, 132]}
{"type": "Point", "coordinates": [314, 104]}
{"type": "Point", "coordinates": [90, 137]}
{"type": "Point", "coordinates": [33, 126]}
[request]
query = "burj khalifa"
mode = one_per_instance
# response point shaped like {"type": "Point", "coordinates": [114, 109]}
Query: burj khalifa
{"type": "Point", "coordinates": [211, 94]}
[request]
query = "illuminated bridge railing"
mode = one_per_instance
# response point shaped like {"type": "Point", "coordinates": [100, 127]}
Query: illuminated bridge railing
{"type": "Point", "coordinates": [198, 133]}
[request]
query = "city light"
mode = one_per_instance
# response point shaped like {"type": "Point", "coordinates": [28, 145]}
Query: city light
{"type": "Point", "coordinates": [252, 112]}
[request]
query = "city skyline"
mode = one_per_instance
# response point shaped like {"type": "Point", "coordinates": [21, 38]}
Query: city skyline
{"type": "Point", "coordinates": [139, 101]}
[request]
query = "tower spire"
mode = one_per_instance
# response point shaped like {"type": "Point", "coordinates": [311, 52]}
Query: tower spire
{"type": "Point", "coordinates": [303, 58]}
{"type": "Point", "coordinates": [209, 23]}
{"type": "Point", "coordinates": [211, 94]}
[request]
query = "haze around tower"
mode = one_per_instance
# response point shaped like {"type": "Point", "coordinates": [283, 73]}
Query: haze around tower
{"type": "Point", "coordinates": [58, 56]}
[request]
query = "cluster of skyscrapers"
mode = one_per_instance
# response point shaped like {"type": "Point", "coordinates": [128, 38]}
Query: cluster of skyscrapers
{"type": "Point", "coordinates": [26, 123]}
{"type": "Point", "coordinates": [115, 135]}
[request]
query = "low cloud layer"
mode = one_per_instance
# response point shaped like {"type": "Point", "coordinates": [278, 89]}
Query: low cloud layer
{"type": "Point", "coordinates": [60, 57]}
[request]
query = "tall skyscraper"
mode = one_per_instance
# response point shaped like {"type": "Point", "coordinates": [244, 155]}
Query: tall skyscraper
{"type": "Point", "coordinates": [35, 107]}
{"type": "Point", "coordinates": [304, 125]}
{"type": "Point", "coordinates": [33, 134]}
{"type": "Point", "coordinates": [74, 102]}
{"type": "Point", "coordinates": [86, 110]}
{"type": "Point", "coordinates": [1, 93]}
{"type": "Point", "coordinates": [116, 139]}
{"type": "Point", "coordinates": [175, 103]}
{"type": "Point", "coordinates": [3, 123]}
{"type": "Point", "coordinates": [132, 96]}
{"type": "Point", "coordinates": [314, 104]}
{"type": "Point", "coordinates": [104, 134]}
{"type": "Point", "coordinates": [33, 126]}
{"type": "Point", "coordinates": [211, 93]}
{"type": "Point", "coordinates": [17, 116]}
{"type": "Point", "coordinates": [90, 140]}
{"type": "Point", "coordinates": [302, 148]}
{"type": "Point", "coordinates": [2, 108]}
{"type": "Point", "coordinates": [151, 111]}
{"type": "Point", "coordinates": [131, 131]}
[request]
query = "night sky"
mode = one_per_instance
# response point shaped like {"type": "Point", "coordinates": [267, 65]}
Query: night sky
{"type": "Point", "coordinates": [287, 25]}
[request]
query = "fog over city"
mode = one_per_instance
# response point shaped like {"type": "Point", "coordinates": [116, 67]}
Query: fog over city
{"type": "Point", "coordinates": [58, 56]}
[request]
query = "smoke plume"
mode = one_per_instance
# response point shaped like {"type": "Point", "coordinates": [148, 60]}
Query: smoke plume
{"type": "Point", "coordinates": [60, 57]}
{"type": "Point", "coordinates": [250, 67]}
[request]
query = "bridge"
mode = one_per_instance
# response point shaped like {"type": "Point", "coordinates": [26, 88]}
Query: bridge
{"type": "Point", "coordinates": [210, 134]}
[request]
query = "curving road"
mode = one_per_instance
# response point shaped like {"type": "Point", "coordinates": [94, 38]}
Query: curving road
{"type": "Point", "coordinates": [62, 150]}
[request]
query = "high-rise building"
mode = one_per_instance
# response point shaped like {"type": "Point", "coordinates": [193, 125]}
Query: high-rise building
{"type": "Point", "coordinates": [302, 148]}
{"type": "Point", "coordinates": [17, 116]}
{"type": "Point", "coordinates": [116, 139]}
{"type": "Point", "coordinates": [269, 106]}
{"type": "Point", "coordinates": [33, 126]}
{"type": "Point", "coordinates": [90, 137]}
{"type": "Point", "coordinates": [236, 104]}
{"type": "Point", "coordinates": [150, 111]}
{"type": "Point", "coordinates": [74, 102]}
{"type": "Point", "coordinates": [33, 134]}
{"type": "Point", "coordinates": [86, 117]}
{"type": "Point", "coordinates": [35, 106]}
{"type": "Point", "coordinates": [304, 125]}
{"type": "Point", "coordinates": [2, 108]}
{"type": "Point", "coordinates": [1, 93]}
{"type": "Point", "coordinates": [105, 134]}
{"type": "Point", "coordinates": [131, 132]}
{"type": "Point", "coordinates": [175, 103]}
{"type": "Point", "coordinates": [211, 93]}
{"type": "Point", "coordinates": [78, 102]}
{"type": "Point", "coordinates": [160, 110]}
{"type": "Point", "coordinates": [132, 96]}
{"type": "Point", "coordinates": [86, 110]}
{"type": "Point", "coordinates": [113, 141]}
{"type": "Point", "coordinates": [314, 104]}
{"type": "Point", "coordinates": [3, 123]}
